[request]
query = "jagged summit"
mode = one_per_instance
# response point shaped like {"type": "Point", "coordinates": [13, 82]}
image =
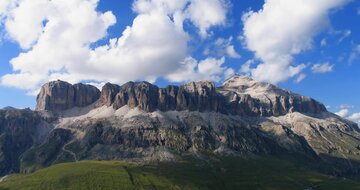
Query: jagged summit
{"type": "Point", "coordinates": [239, 95]}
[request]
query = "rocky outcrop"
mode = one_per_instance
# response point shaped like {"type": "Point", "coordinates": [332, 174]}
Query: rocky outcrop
{"type": "Point", "coordinates": [108, 93]}
{"type": "Point", "coordinates": [238, 95]}
{"type": "Point", "coordinates": [142, 95]}
{"type": "Point", "coordinates": [85, 95]}
{"type": "Point", "coordinates": [250, 97]}
{"type": "Point", "coordinates": [60, 95]}
{"type": "Point", "coordinates": [194, 96]}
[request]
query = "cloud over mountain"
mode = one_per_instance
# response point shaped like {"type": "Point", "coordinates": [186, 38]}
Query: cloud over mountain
{"type": "Point", "coordinates": [281, 30]}
{"type": "Point", "coordinates": [59, 40]}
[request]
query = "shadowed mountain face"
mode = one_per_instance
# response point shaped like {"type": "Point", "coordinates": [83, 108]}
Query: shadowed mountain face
{"type": "Point", "coordinates": [144, 122]}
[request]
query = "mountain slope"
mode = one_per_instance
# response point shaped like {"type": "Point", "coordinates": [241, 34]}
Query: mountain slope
{"type": "Point", "coordinates": [140, 121]}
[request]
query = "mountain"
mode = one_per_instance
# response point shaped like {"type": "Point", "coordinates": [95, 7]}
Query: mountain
{"type": "Point", "coordinates": [141, 122]}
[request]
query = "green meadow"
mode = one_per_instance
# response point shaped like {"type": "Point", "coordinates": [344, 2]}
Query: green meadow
{"type": "Point", "coordinates": [219, 173]}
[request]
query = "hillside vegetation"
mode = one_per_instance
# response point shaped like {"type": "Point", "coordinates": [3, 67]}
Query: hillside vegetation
{"type": "Point", "coordinates": [220, 173]}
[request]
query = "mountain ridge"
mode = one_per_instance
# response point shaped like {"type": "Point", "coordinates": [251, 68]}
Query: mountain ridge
{"type": "Point", "coordinates": [140, 121]}
{"type": "Point", "coordinates": [233, 97]}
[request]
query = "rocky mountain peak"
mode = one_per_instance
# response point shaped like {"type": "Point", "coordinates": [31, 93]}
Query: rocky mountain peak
{"type": "Point", "coordinates": [59, 95]}
{"type": "Point", "coordinates": [247, 85]}
{"type": "Point", "coordinates": [239, 80]}
{"type": "Point", "coordinates": [239, 95]}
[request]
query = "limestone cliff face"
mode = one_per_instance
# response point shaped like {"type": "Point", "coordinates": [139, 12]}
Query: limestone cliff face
{"type": "Point", "coordinates": [238, 95]}
{"type": "Point", "coordinates": [142, 95]}
{"type": "Point", "coordinates": [108, 94]}
{"type": "Point", "coordinates": [60, 95]}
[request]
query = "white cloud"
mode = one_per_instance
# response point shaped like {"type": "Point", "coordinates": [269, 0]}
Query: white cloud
{"type": "Point", "coordinates": [345, 106]}
{"type": "Point", "coordinates": [355, 117]}
{"type": "Point", "coordinates": [70, 28]}
{"type": "Point", "coordinates": [343, 113]}
{"type": "Point", "coordinates": [5, 5]}
{"type": "Point", "coordinates": [58, 38]}
{"type": "Point", "coordinates": [229, 72]}
{"type": "Point", "coordinates": [282, 29]}
{"type": "Point", "coordinates": [207, 13]}
{"type": "Point", "coordinates": [222, 47]}
{"type": "Point", "coordinates": [246, 67]}
{"type": "Point", "coordinates": [208, 69]}
{"type": "Point", "coordinates": [231, 52]}
{"type": "Point", "coordinates": [322, 68]}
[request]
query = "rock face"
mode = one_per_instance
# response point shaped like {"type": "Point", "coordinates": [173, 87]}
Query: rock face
{"type": "Point", "coordinates": [247, 96]}
{"type": "Point", "coordinates": [108, 94]}
{"type": "Point", "coordinates": [237, 96]}
{"type": "Point", "coordinates": [60, 95]}
{"type": "Point", "coordinates": [143, 95]}
{"type": "Point", "coordinates": [195, 96]}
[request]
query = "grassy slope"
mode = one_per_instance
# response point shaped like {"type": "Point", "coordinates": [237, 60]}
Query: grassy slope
{"type": "Point", "coordinates": [227, 173]}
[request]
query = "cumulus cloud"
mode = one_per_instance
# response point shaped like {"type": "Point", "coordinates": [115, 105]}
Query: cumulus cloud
{"type": "Point", "coordinates": [208, 69]}
{"type": "Point", "coordinates": [343, 113]}
{"type": "Point", "coordinates": [355, 117]}
{"type": "Point", "coordinates": [322, 68]}
{"type": "Point", "coordinates": [207, 13]}
{"type": "Point", "coordinates": [282, 29]}
{"type": "Point", "coordinates": [59, 38]}
{"type": "Point", "coordinates": [5, 6]}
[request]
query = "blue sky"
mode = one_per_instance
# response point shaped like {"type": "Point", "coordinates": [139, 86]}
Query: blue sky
{"type": "Point", "coordinates": [324, 43]}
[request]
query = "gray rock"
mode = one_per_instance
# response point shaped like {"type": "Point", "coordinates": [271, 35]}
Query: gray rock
{"type": "Point", "coordinates": [108, 93]}
{"type": "Point", "coordinates": [143, 95]}
{"type": "Point", "coordinates": [237, 96]}
{"type": "Point", "coordinates": [59, 95]}
{"type": "Point", "coordinates": [249, 97]}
